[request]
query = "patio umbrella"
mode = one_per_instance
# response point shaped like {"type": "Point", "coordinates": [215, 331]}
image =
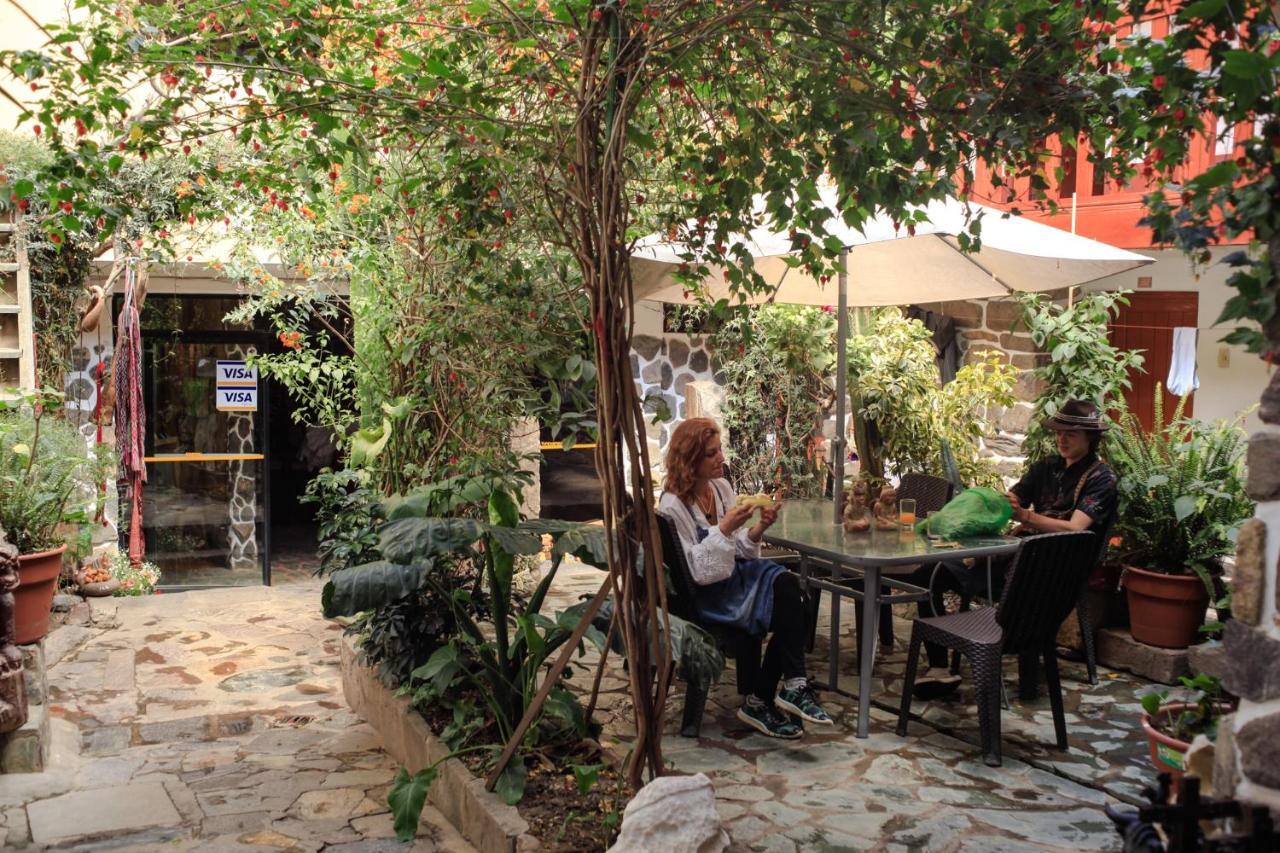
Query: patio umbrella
{"type": "Point", "coordinates": [890, 266]}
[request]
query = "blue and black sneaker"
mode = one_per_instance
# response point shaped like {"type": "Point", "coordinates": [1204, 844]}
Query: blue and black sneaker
{"type": "Point", "coordinates": [768, 721]}
{"type": "Point", "coordinates": [802, 702]}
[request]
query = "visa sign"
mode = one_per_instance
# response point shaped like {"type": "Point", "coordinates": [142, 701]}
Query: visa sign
{"type": "Point", "coordinates": [236, 387]}
{"type": "Point", "coordinates": [237, 400]}
{"type": "Point", "coordinates": [236, 373]}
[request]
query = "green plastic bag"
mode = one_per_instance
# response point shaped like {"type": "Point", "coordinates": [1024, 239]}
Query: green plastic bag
{"type": "Point", "coordinates": [979, 511]}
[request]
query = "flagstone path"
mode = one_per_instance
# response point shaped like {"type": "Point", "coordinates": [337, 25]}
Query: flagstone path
{"type": "Point", "coordinates": [214, 720]}
{"type": "Point", "coordinates": [210, 720]}
{"type": "Point", "coordinates": [927, 791]}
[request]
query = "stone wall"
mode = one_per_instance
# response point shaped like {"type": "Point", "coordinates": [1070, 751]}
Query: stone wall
{"type": "Point", "coordinates": [662, 366]}
{"type": "Point", "coordinates": [993, 324]}
{"type": "Point", "coordinates": [95, 348]}
{"type": "Point", "coordinates": [1247, 759]}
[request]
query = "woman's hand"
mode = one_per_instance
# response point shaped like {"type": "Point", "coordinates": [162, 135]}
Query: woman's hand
{"type": "Point", "coordinates": [734, 517]}
{"type": "Point", "coordinates": [768, 515]}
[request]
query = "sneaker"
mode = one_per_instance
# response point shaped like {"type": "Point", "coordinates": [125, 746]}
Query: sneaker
{"type": "Point", "coordinates": [936, 681]}
{"type": "Point", "coordinates": [803, 703]}
{"type": "Point", "coordinates": [769, 722]}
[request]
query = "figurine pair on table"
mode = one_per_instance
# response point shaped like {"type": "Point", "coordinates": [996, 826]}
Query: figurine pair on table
{"type": "Point", "coordinates": [860, 512]}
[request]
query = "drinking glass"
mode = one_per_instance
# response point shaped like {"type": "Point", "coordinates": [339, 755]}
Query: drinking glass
{"type": "Point", "coordinates": [929, 522]}
{"type": "Point", "coordinates": [907, 512]}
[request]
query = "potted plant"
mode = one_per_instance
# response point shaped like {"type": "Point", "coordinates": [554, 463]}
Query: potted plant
{"type": "Point", "coordinates": [1182, 498]}
{"type": "Point", "coordinates": [48, 480]}
{"type": "Point", "coordinates": [1171, 726]}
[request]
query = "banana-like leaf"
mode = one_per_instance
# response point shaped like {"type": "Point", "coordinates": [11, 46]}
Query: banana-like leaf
{"type": "Point", "coordinates": [407, 539]}
{"type": "Point", "coordinates": [358, 588]}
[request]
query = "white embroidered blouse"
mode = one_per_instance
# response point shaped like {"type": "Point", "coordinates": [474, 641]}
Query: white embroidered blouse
{"type": "Point", "coordinates": [710, 560]}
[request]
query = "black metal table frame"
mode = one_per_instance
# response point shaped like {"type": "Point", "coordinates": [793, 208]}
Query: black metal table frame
{"type": "Point", "coordinates": [869, 569]}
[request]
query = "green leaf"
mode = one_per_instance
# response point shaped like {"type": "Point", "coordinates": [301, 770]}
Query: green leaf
{"type": "Point", "coordinates": [1245, 64]}
{"type": "Point", "coordinates": [23, 188]}
{"type": "Point", "coordinates": [510, 785]}
{"type": "Point", "coordinates": [1184, 506]}
{"type": "Point", "coordinates": [407, 539]}
{"type": "Point", "coordinates": [366, 444]}
{"type": "Point", "coordinates": [502, 509]}
{"type": "Point", "coordinates": [369, 586]}
{"type": "Point", "coordinates": [1201, 9]}
{"type": "Point", "coordinates": [440, 667]}
{"type": "Point", "coordinates": [407, 796]}
{"type": "Point", "coordinates": [586, 775]}
{"type": "Point", "coordinates": [1151, 703]}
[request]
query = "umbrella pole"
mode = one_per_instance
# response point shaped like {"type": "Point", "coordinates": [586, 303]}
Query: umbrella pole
{"type": "Point", "coordinates": [842, 335]}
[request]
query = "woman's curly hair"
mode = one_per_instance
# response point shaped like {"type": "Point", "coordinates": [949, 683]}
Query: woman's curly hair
{"type": "Point", "coordinates": [684, 453]}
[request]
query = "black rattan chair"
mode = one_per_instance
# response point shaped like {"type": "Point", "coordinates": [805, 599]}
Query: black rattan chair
{"type": "Point", "coordinates": [741, 646]}
{"type": "Point", "coordinates": [1043, 586]}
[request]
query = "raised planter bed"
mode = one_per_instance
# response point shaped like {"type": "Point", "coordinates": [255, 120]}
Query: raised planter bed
{"type": "Point", "coordinates": [482, 818]}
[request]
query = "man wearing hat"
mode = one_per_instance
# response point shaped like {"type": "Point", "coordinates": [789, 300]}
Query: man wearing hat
{"type": "Point", "coordinates": [1074, 490]}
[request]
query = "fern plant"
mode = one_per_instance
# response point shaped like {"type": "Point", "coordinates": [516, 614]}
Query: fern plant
{"type": "Point", "coordinates": [1181, 492]}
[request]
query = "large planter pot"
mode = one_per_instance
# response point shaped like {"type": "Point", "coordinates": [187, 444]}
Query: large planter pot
{"type": "Point", "coordinates": [1165, 610]}
{"type": "Point", "coordinates": [33, 599]}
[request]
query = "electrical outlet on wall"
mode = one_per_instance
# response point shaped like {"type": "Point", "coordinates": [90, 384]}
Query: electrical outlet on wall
{"type": "Point", "coordinates": [1224, 356]}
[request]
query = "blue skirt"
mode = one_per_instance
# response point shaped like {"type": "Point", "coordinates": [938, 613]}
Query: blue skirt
{"type": "Point", "coordinates": [743, 600]}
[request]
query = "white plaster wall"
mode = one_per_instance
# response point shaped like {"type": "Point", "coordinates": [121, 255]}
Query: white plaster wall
{"type": "Point", "coordinates": [1223, 391]}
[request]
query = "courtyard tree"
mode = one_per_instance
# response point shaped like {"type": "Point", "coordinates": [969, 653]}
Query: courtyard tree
{"type": "Point", "coordinates": [578, 124]}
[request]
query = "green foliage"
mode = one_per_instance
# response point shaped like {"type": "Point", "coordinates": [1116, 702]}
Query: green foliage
{"type": "Point", "coordinates": [347, 518]}
{"type": "Point", "coordinates": [48, 475]}
{"type": "Point", "coordinates": [1082, 365]}
{"type": "Point", "coordinates": [134, 580]}
{"type": "Point", "coordinates": [407, 796]}
{"type": "Point", "coordinates": [777, 362]}
{"type": "Point", "coordinates": [1161, 104]}
{"type": "Point", "coordinates": [1200, 717]}
{"type": "Point", "coordinates": [896, 392]}
{"type": "Point", "coordinates": [1181, 491]}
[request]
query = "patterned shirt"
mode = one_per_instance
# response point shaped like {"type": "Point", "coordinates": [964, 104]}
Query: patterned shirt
{"type": "Point", "coordinates": [1050, 487]}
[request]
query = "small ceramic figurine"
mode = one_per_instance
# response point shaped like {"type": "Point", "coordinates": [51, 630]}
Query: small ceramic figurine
{"type": "Point", "coordinates": [887, 509]}
{"type": "Point", "coordinates": [855, 509]}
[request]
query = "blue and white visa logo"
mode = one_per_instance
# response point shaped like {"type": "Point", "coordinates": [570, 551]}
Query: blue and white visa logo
{"type": "Point", "coordinates": [237, 399]}
{"type": "Point", "coordinates": [236, 373]}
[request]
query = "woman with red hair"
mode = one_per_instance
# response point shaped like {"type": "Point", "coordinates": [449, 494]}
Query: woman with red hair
{"type": "Point", "coordinates": [735, 586]}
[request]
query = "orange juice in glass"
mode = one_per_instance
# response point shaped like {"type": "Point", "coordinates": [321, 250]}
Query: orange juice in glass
{"type": "Point", "coordinates": [907, 512]}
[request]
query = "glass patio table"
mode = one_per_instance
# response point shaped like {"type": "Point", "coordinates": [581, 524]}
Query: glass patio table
{"type": "Point", "coordinates": [805, 526]}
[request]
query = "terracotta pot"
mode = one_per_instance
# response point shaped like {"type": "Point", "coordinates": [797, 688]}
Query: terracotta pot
{"type": "Point", "coordinates": [1165, 610]}
{"type": "Point", "coordinates": [1169, 754]}
{"type": "Point", "coordinates": [33, 599]}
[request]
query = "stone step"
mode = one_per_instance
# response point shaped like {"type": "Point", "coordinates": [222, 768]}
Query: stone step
{"type": "Point", "coordinates": [27, 749]}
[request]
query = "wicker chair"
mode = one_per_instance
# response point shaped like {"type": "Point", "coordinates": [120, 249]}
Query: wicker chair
{"type": "Point", "coordinates": [1043, 586]}
{"type": "Point", "coordinates": [744, 648]}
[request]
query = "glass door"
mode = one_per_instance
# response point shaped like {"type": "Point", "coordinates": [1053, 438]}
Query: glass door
{"type": "Point", "coordinates": [204, 505]}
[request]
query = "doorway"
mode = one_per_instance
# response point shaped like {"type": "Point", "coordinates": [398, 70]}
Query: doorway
{"type": "Point", "coordinates": [1147, 324]}
{"type": "Point", "coordinates": [226, 463]}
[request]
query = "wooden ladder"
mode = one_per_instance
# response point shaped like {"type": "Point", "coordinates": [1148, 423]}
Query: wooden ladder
{"type": "Point", "coordinates": [17, 335]}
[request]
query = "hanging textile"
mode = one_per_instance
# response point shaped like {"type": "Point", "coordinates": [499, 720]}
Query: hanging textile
{"type": "Point", "coordinates": [131, 416]}
{"type": "Point", "coordinates": [1183, 377]}
{"type": "Point", "coordinates": [946, 340]}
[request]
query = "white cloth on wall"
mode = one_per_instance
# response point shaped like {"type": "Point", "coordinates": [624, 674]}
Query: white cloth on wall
{"type": "Point", "coordinates": [1183, 376]}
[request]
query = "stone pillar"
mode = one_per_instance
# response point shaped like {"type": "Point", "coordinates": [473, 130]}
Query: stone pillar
{"type": "Point", "coordinates": [13, 693]}
{"type": "Point", "coordinates": [527, 444]}
{"type": "Point", "coordinates": [1250, 739]}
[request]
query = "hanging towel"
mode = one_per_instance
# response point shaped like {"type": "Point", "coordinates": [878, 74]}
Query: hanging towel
{"type": "Point", "coordinates": [1183, 376]}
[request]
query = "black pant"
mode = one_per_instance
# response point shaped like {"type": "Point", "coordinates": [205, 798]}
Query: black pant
{"type": "Point", "coordinates": [784, 656]}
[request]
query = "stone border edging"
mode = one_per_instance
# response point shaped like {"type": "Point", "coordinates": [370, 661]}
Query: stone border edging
{"type": "Point", "coordinates": [482, 818]}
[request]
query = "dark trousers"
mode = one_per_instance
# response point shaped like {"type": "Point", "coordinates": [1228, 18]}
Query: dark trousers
{"type": "Point", "coordinates": [784, 655]}
{"type": "Point", "coordinates": [969, 581]}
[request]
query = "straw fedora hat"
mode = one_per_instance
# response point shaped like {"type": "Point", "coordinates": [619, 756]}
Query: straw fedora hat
{"type": "Point", "coordinates": [1077, 414]}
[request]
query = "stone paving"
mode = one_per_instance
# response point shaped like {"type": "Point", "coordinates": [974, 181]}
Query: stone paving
{"type": "Point", "coordinates": [209, 720]}
{"type": "Point", "coordinates": [927, 791]}
{"type": "Point", "coordinates": [214, 720]}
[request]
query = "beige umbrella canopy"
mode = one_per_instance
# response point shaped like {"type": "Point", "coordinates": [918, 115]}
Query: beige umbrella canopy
{"type": "Point", "coordinates": [888, 265]}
